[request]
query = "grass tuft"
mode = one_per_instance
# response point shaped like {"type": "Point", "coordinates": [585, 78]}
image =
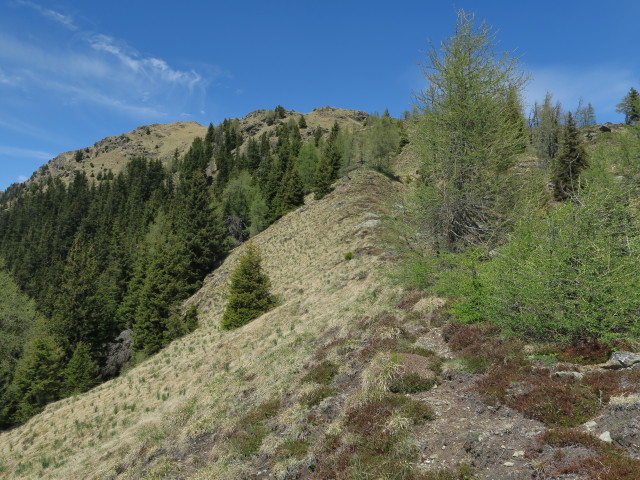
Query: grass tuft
{"type": "Point", "coordinates": [409, 383]}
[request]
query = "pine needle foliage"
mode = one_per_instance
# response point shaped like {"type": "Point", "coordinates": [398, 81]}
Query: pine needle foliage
{"type": "Point", "coordinates": [568, 273]}
{"type": "Point", "coordinates": [329, 164]}
{"type": "Point", "coordinates": [569, 163]}
{"type": "Point", "coordinates": [630, 106]}
{"type": "Point", "coordinates": [468, 133]}
{"type": "Point", "coordinates": [249, 293]}
{"type": "Point", "coordinates": [81, 373]}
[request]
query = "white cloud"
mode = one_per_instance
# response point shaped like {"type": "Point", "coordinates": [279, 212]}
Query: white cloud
{"type": "Point", "coordinates": [22, 178]}
{"type": "Point", "coordinates": [64, 20]}
{"type": "Point", "coordinates": [151, 67]}
{"type": "Point", "coordinates": [603, 86]}
{"type": "Point", "coordinates": [97, 69]}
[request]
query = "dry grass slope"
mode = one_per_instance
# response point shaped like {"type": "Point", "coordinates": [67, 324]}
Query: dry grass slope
{"type": "Point", "coordinates": [157, 141]}
{"type": "Point", "coordinates": [177, 414]}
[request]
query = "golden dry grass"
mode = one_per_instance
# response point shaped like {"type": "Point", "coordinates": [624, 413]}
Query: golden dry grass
{"type": "Point", "coordinates": [162, 141]}
{"type": "Point", "coordinates": [174, 415]}
{"type": "Point", "coordinates": [113, 153]}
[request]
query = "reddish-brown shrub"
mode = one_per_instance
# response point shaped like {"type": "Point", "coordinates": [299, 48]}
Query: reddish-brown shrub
{"type": "Point", "coordinates": [608, 462]}
{"type": "Point", "coordinates": [586, 353]}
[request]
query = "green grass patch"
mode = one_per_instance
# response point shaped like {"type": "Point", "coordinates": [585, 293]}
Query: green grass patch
{"type": "Point", "coordinates": [252, 428]}
{"type": "Point", "coordinates": [322, 373]}
{"type": "Point", "coordinates": [293, 448]}
{"type": "Point", "coordinates": [315, 396]}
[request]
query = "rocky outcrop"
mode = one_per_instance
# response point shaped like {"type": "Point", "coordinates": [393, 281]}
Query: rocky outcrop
{"type": "Point", "coordinates": [119, 354]}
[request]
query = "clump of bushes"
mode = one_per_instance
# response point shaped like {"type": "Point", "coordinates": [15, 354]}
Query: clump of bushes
{"type": "Point", "coordinates": [315, 396]}
{"type": "Point", "coordinates": [586, 353]}
{"type": "Point", "coordinates": [411, 383]}
{"type": "Point", "coordinates": [375, 447]}
{"type": "Point", "coordinates": [514, 380]}
{"type": "Point", "coordinates": [322, 373]}
{"type": "Point", "coordinates": [252, 428]}
{"type": "Point", "coordinates": [608, 461]}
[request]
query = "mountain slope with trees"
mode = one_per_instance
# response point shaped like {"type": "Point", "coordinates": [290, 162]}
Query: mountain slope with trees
{"type": "Point", "coordinates": [430, 295]}
{"type": "Point", "coordinates": [105, 255]}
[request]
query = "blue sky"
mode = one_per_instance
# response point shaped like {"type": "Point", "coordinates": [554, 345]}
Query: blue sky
{"type": "Point", "coordinates": [73, 72]}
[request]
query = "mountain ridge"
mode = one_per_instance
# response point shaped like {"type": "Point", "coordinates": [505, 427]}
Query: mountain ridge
{"type": "Point", "coordinates": [165, 142]}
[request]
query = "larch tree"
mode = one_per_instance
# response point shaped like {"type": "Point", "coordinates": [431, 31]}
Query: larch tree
{"type": "Point", "coordinates": [545, 128]}
{"type": "Point", "coordinates": [468, 133]}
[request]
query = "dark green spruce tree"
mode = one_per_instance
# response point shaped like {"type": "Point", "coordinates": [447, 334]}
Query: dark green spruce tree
{"type": "Point", "coordinates": [79, 313]}
{"type": "Point", "coordinates": [292, 190]}
{"type": "Point", "coordinates": [328, 165]}
{"type": "Point", "coordinates": [81, 373]}
{"type": "Point", "coordinates": [569, 163]}
{"type": "Point", "coordinates": [250, 290]}
{"type": "Point", "coordinates": [38, 376]}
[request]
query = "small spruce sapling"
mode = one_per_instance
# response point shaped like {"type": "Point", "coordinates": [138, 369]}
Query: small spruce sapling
{"type": "Point", "coordinates": [249, 293]}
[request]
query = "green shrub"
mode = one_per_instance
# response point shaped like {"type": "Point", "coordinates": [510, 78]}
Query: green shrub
{"type": "Point", "coordinates": [322, 373]}
{"type": "Point", "coordinates": [568, 275]}
{"type": "Point", "coordinates": [411, 383]}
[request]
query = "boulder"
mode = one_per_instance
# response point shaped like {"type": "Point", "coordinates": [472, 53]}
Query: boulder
{"type": "Point", "coordinates": [620, 360]}
{"type": "Point", "coordinates": [118, 354]}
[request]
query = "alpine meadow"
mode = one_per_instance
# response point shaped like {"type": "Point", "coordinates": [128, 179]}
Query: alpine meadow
{"type": "Point", "coordinates": [451, 293]}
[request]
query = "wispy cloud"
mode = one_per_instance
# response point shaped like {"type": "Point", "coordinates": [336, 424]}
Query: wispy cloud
{"type": "Point", "coordinates": [153, 68]}
{"type": "Point", "coordinates": [64, 20]}
{"type": "Point", "coordinates": [603, 86]}
{"type": "Point", "coordinates": [24, 153]}
{"type": "Point", "coordinates": [93, 68]}
{"type": "Point", "coordinates": [8, 79]}
{"type": "Point", "coordinates": [10, 123]}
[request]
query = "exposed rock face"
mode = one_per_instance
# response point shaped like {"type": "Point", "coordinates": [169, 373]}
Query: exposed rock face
{"type": "Point", "coordinates": [622, 421]}
{"type": "Point", "coordinates": [622, 360]}
{"type": "Point", "coordinates": [119, 354]}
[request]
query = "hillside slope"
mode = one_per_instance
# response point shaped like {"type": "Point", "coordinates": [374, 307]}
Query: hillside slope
{"type": "Point", "coordinates": [350, 377]}
{"type": "Point", "coordinates": [165, 142]}
{"type": "Point", "coordinates": [171, 413]}
{"type": "Point", "coordinates": [157, 142]}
